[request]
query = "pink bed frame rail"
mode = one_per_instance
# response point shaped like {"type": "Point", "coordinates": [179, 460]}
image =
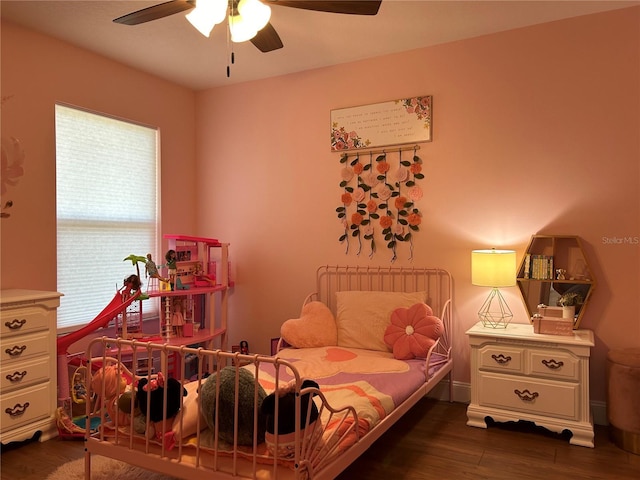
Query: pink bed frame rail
{"type": "Point", "coordinates": [218, 463]}
{"type": "Point", "coordinates": [436, 282]}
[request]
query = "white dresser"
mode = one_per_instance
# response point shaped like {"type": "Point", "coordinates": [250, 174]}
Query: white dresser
{"type": "Point", "coordinates": [27, 364]}
{"type": "Point", "coordinates": [519, 375]}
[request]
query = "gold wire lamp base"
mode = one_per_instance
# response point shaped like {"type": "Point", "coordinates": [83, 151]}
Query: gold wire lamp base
{"type": "Point", "coordinates": [495, 312]}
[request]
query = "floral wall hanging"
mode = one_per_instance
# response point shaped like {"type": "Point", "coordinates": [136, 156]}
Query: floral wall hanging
{"type": "Point", "coordinates": [378, 201]}
{"type": "Point", "coordinates": [12, 159]}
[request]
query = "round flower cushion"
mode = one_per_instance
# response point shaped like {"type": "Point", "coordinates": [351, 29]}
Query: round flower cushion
{"type": "Point", "coordinates": [413, 331]}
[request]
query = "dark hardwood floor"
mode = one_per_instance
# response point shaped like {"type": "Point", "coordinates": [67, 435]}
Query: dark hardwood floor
{"type": "Point", "coordinates": [431, 441]}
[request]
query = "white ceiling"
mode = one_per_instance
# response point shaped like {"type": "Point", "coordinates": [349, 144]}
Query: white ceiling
{"type": "Point", "coordinates": [172, 49]}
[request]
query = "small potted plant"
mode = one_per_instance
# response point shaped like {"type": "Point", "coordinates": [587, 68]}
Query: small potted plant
{"type": "Point", "coordinates": [568, 302]}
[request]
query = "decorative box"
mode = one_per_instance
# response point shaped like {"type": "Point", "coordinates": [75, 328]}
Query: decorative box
{"type": "Point", "coordinates": [187, 329]}
{"type": "Point", "coordinates": [552, 325]}
{"type": "Point", "coordinates": [547, 311]}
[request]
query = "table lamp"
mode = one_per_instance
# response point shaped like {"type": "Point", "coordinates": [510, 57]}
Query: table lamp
{"type": "Point", "coordinates": [494, 268]}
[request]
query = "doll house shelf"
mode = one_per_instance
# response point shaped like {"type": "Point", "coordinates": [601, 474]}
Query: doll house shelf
{"type": "Point", "coordinates": [200, 292]}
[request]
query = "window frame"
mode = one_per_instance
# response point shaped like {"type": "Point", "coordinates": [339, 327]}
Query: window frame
{"type": "Point", "coordinates": [76, 299]}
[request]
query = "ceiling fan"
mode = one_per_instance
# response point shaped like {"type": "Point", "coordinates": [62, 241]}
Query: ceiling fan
{"type": "Point", "coordinates": [266, 39]}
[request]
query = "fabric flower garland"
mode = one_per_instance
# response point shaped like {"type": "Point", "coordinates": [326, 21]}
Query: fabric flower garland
{"type": "Point", "coordinates": [383, 195]}
{"type": "Point", "coordinates": [13, 156]}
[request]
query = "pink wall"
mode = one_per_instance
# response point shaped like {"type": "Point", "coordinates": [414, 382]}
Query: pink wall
{"type": "Point", "coordinates": [535, 130]}
{"type": "Point", "coordinates": [37, 72]}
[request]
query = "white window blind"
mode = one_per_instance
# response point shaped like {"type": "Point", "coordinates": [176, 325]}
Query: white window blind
{"type": "Point", "coordinates": [107, 196]}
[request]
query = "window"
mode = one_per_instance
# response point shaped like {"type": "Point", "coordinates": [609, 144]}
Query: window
{"type": "Point", "coordinates": [107, 198]}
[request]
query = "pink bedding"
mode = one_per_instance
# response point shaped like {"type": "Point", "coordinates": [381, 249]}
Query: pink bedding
{"type": "Point", "coordinates": [374, 383]}
{"type": "Point", "coordinates": [371, 381]}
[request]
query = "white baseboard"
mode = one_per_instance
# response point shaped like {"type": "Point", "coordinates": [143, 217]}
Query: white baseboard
{"type": "Point", "coordinates": [462, 394]}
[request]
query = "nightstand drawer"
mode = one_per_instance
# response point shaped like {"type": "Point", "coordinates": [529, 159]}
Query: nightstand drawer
{"type": "Point", "coordinates": [25, 406]}
{"type": "Point", "coordinates": [559, 364]}
{"type": "Point", "coordinates": [541, 397]}
{"type": "Point", "coordinates": [19, 321]}
{"type": "Point", "coordinates": [25, 373]}
{"type": "Point", "coordinates": [24, 346]}
{"type": "Point", "coordinates": [501, 359]}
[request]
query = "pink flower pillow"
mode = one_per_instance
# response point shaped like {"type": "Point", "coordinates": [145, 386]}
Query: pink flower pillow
{"type": "Point", "coordinates": [413, 331]}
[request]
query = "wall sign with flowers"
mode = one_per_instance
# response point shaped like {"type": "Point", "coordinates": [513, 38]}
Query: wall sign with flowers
{"type": "Point", "coordinates": [398, 122]}
{"type": "Point", "coordinates": [380, 191]}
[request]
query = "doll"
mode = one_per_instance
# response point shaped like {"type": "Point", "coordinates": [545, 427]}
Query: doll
{"type": "Point", "coordinates": [108, 383]}
{"type": "Point", "coordinates": [79, 389]}
{"type": "Point", "coordinates": [171, 259]}
{"type": "Point", "coordinates": [177, 316]}
{"type": "Point", "coordinates": [151, 269]}
{"type": "Point", "coordinates": [131, 285]}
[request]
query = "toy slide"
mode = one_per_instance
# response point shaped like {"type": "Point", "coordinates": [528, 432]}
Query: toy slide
{"type": "Point", "coordinates": [102, 320]}
{"type": "Point", "coordinates": [116, 306]}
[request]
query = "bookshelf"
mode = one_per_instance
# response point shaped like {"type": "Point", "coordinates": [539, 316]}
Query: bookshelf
{"type": "Point", "coordinates": [552, 266]}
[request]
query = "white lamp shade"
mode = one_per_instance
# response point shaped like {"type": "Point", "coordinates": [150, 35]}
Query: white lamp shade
{"type": "Point", "coordinates": [241, 29]}
{"type": "Point", "coordinates": [254, 12]}
{"type": "Point", "coordinates": [493, 268]}
{"type": "Point", "coordinates": [207, 14]}
{"type": "Point", "coordinates": [252, 17]}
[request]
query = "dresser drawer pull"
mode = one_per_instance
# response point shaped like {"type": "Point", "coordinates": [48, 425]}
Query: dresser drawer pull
{"type": "Point", "coordinates": [15, 324]}
{"type": "Point", "coordinates": [17, 410]}
{"type": "Point", "coordinates": [552, 364]}
{"type": "Point", "coordinates": [16, 376]}
{"type": "Point", "coordinates": [15, 350]}
{"type": "Point", "coordinates": [501, 359]}
{"type": "Point", "coordinates": [526, 395]}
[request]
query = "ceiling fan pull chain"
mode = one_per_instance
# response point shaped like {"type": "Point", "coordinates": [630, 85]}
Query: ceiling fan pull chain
{"type": "Point", "coordinates": [229, 45]}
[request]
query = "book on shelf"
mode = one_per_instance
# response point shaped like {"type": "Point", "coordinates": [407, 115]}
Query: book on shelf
{"type": "Point", "coordinates": [538, 267]}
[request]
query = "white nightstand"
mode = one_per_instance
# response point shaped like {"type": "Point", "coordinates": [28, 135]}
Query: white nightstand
{"type": "Point", "coordinates": [520, 375]}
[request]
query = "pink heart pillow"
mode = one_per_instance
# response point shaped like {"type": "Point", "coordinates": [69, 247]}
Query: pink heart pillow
{"type": "Point", "coordinates": [413, 331]}
{"type": "Point", "coordinates": [316, 327]}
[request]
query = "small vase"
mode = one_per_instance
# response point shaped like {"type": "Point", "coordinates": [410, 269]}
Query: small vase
{"type": "Point", "coordinates": [569, 312]}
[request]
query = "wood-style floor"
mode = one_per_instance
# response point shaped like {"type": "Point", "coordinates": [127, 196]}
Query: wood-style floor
{"type": "Point", "coordinates": [431, 441]}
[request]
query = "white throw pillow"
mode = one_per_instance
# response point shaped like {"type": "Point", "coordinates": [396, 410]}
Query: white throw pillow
{"type": "Point", "coordinates": [363, 317]}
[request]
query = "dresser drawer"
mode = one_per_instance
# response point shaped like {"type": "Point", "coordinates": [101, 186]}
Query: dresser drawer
{"type": "Point", "coordinates": [23, 320]}
{"type": "Point", "coordinates": [25, 346]}
{"type": "Point", "coordinates": [24, 373]}
{"type": "Point", "coordinates": [498, 358]}
{"type": "Point", "coordinates": [537, 396]}
{"type": "Point", "coordinates": [554, 364]}
{"type": "Point", "coordinates": [25, 406]}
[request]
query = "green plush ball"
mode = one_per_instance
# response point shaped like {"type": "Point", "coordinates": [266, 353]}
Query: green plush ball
{"type": "Point", "coordinates": [124, 402]}
{"type": "Point", "coordinates": [247, 383]}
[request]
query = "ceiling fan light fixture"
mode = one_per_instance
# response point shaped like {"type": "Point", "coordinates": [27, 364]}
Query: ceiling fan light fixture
{"type": "Point", "coordinates": [255, 12]}
{"type": "Point", "coordinates": [207, 14]}
{"type": "Point", "coordinates": [252, 17]}
{"type": "Point", "coordinates": [241, 30]}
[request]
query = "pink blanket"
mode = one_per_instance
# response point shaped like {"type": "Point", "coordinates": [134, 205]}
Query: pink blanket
{"type": "Point", "coordinates": [373, 382]}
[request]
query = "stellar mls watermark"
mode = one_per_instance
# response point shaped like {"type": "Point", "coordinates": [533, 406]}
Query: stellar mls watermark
{"type": "Point", "coordinates": [615, 240]}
